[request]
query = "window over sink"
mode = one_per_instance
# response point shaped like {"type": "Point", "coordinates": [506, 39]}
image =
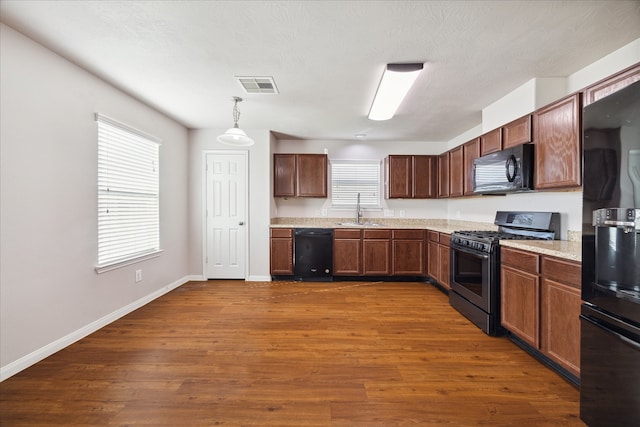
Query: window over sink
{"type": "Point", "coordinates": [350, 177]}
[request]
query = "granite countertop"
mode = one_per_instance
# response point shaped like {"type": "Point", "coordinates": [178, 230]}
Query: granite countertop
{"type": "Point", "coordinates": [567, 249]}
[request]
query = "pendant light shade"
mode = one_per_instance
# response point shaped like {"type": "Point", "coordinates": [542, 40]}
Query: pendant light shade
{"type": "Point", "coordinates": [235, 135]}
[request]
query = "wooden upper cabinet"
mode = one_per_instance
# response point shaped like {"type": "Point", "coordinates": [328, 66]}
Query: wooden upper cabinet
{"type": "Point", "coordinates": [443, 175]}
{"type": "Point", "coordinates": [300, 175]}
{"type": "Point", "coordinates": [425, 177]}
{"type": "Point", "coordinates": [284, 174]}
{"type": "Point", "coordinates": [312, 175]}
{"type": "Point", "coordinates": [471, 151]}
{"type": "Point", "coordinates": [611, 84]}
{"type": "Point", "coordinates": [399, 177]}
{"type": "Point", "coordinates": [556, 134]}
{"type": "Point", "coordinates": [491, 142]}
{"type": "Point", "coordinates": [456, 172]}
{"type": "Point", "coordinates": [411, 177]}
{"type": "Point", "coordinates": [517, 132]}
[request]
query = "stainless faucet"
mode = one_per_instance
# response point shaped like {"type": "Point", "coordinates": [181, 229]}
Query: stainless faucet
{"type": "Point", "coordinates": [358, 211]}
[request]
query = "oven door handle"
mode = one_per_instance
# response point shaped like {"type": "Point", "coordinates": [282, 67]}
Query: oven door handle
{"type": "Point", "coordinates": [482, 255]}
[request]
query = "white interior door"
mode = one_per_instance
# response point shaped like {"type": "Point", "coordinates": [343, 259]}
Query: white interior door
{"type": "Point", "coordinates": [226, 215]}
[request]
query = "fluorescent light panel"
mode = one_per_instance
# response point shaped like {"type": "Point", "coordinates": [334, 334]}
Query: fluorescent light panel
{"type": "Point", "coordinates": [396, 81]}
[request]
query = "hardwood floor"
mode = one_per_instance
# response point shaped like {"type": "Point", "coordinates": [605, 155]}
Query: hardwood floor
{"type": "Point", "coordinates": [238, 353]}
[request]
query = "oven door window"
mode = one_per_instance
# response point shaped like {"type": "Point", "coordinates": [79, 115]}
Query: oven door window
{"type": "Point", "coordinates": [468, 271]}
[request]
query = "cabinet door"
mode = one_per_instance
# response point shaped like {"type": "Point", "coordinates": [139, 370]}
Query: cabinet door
{"type": "Point", "coordinates": [284, 175]}
{"type": "Point", "coordinates": [520, 295]}
{"type": "Point", "coordinates": [347, 257]}
{"type": "Point", "coordinates": [281, 254]}
{"type": "Point", "coordinates": [560, 321]}
{"type": "Point", "coordinates": [456, 172]}
{"type": "Point", "coordinates": [433, 261]}
{"type": "Point", "coordinates": [517, 132]}
{"type": "Point", "coordinates": [376, 256]}
{"type": "Point", "coordinates": [408, 257]}
{"type": "Point", "coordinates": [311, 171]}
{"type": "Point", "coordinates": [443, 175]}
{"type": "Point", "coordinates": [425, 177]}
{"type": "Point", "coordinates": [400, 173]}
{"type": "Point", "coordinates": [444, 257]}
{"type": "Point", "coordinates": [471, 151]}
{"type": "Point", "coordinates": [491, 142]}
{"type": "Point", "coordinates": [556, 134]}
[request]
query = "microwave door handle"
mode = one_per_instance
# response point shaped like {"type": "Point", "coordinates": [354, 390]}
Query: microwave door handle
{"type": "Point", "coordinates": [512, 162]}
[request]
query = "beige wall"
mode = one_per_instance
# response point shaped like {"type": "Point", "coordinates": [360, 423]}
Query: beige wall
{"type": "Point", "coordinates": [50, 294]}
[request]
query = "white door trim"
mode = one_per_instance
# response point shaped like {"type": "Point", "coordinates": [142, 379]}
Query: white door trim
{"type": "Point", "coordinates": [203, 212]}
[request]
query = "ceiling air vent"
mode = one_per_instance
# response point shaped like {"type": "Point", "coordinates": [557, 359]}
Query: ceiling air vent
{"type": "Point", "coordinates": [258, 84]}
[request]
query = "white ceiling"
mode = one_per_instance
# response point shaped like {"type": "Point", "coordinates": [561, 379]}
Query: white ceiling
{"type": "Point", "coordinates": [326, 56]}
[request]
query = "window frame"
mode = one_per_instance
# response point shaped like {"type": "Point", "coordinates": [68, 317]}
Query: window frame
{"type": "Point", "coordinates": [351, 203]}
{"type": "Point", "coordinates": [130, 191]}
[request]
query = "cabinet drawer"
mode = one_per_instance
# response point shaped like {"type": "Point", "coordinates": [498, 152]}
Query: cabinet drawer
{"type": "Point", "coordinates": [408, 234]}
{"type": "Point", "coordinates": [445, 239]}
{"type": "Point", "coordinates": [521, 260]}
{"type": "Point", "coordinates": [281, 232]}
{"type": "Point", "coordinates": [434, 236]}
{"type": "Point", "coordinates": [343, 233]}
{"type": "Point", "coordinates": [376, 234]}
{"type": "Point", "coordinates": [562, 271]}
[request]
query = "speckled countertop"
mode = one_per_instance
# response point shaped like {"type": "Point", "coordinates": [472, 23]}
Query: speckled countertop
{"type": "Point", "coordinates": [568, 249]}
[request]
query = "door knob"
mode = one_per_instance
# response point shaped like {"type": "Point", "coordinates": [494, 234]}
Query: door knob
{"type": "Point", "coordinates": [241, 223]}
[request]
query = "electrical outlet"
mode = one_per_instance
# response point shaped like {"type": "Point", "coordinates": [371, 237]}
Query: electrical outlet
{"type": "Point", "coordinates": [401, 214]}
{"type": "Point", "coordinates": [138, 276]}
{"type": "Point", "coordinates": [324, 212]}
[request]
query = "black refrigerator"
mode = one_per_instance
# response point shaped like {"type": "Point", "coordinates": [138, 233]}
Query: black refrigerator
{"type": "Point", "coordinates": [610, 314]}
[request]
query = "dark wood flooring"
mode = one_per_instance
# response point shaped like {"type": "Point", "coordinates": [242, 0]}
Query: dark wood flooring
{"type": "Point", "coordinates": [235, 353]}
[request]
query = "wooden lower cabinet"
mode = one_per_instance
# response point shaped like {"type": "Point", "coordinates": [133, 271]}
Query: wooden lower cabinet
{"type": "Point", "coordinates": [540, 304]}
{"type": "Point", "coordinates": [347, 252]}
{"type": "Point", "coordinates": [408, 248]}
{"type": "Point", "coordinates": [439, 258]}
{"type": "Point", "coordinates": [376, 252]}
{"type": "Point", "coordinates": [520, 295]}
{"type": "Point", "coordinates": [281, 252]}
{"type": "Point", "coordinates": [560, 324]}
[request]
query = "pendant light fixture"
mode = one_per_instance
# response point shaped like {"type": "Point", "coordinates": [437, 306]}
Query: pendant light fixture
{"type": "Point", "coordinates": [396, 81]}
{"type": "Point", "coordinates": [235, 135]}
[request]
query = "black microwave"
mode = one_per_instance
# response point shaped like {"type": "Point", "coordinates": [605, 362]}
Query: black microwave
{"type": "Point", "coordinates": [505, 171]}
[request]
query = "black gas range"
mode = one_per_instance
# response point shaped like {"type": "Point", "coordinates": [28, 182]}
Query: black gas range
{"type": "Point", "coordinates": [475, 263]}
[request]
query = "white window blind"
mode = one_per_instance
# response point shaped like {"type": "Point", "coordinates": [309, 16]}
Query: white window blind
{"type": "Point", "coordinates": [350, 177]}
{"type": "Point", "coordinates": [128, 193]}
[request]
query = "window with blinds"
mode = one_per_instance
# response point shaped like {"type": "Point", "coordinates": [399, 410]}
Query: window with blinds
{"type": "Point", "coordinates": [128, 194]}
{"type": "Point", "coordinates": [350, 177]}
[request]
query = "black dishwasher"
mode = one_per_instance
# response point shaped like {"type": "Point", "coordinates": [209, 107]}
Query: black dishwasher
{"type": "Point", "coordinates": [313, 259]}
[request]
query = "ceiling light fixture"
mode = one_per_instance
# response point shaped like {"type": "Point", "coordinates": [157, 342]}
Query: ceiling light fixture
{"type": "Point", "coordinates": [235, 135]}
{"type": "Point", "coordinates": [396, 81]}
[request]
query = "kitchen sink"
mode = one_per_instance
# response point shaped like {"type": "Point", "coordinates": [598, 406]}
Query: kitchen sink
{"type": "Point", "coordinates": [362, 224]}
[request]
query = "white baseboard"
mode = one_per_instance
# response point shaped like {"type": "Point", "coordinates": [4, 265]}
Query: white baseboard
{"type": "Point", "coordinates": [258, 279]}
{"type": "Point", "coordinates": [49, 349]}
